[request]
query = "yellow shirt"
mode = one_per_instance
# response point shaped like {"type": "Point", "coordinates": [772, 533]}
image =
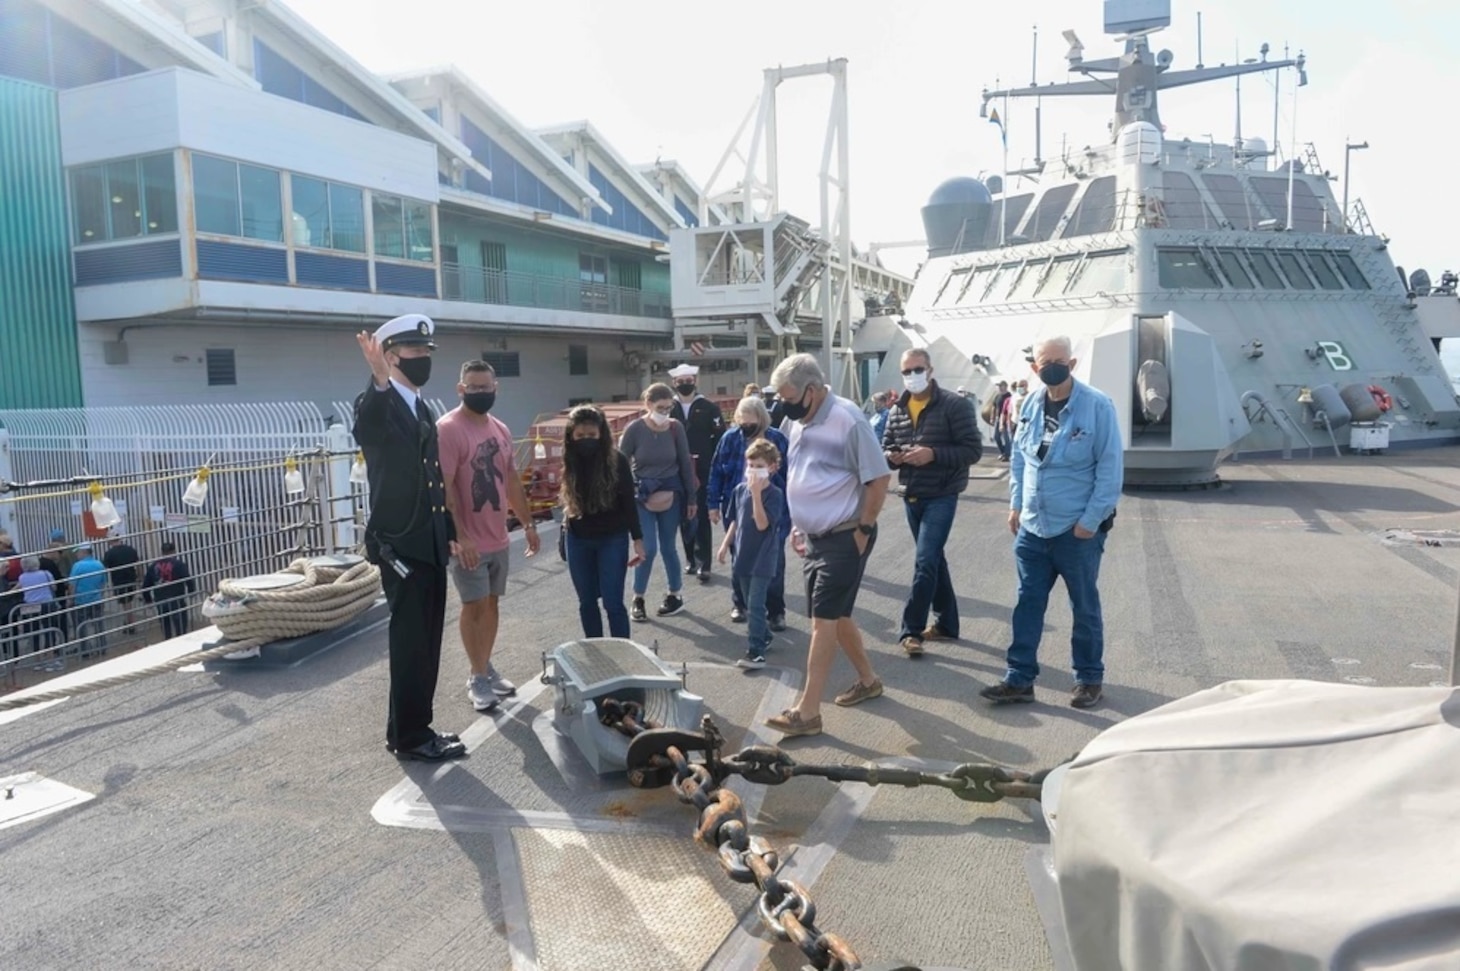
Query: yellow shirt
{"type": "Point", "coordinates": [915, 408]}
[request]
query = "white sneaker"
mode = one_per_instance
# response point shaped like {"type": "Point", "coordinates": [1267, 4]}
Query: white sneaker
{"type": "Point", "coordinates": [500, 685]}
{"type": "Point", "coordinates": [751, 663]}
{"type": "Point", "coordinates": [479, 690]}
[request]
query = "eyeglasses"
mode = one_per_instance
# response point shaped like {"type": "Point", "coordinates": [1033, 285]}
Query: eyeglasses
{"type": "Point", "coordinates": [479, 390]}
{"type": "Point", "coordinates": [908, 372]}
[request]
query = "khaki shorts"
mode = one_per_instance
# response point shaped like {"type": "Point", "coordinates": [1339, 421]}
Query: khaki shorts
{"type": "Point", "coordinates": [488, 579]}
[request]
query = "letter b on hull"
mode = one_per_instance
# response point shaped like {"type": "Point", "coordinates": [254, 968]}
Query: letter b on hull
{"type": "Point", "coordinates": [1338, 358]}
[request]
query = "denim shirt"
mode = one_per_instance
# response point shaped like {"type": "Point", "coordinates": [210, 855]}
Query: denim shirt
{"type": "Point", "coordinates": [1079, 478]}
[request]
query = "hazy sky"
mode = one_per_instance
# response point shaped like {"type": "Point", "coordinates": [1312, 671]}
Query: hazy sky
{"type": "Point", "coordinates": [675, 79]}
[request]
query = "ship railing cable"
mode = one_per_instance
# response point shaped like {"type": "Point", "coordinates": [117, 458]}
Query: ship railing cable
{"type": "Point", "coordinates": [659, 756]}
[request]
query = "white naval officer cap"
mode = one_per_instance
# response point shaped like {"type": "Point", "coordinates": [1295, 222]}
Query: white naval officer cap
{"type": "Point", "coordinates": [683, 371]}
{"type": "Point", "coordinates": [406, 329]}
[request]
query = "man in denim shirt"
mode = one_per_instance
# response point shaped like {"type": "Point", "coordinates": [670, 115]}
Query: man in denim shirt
{"type": "Point", "coordinates": [1064, 481]}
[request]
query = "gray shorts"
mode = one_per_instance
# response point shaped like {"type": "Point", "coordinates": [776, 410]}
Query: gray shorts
{"type": "Point", "coordinates": [488, 579]}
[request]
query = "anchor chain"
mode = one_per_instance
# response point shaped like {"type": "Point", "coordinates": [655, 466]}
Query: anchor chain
{"type": "Point", "coordinates": [973, 781]}
{"type": "Point", "coordinates": [785, 906]}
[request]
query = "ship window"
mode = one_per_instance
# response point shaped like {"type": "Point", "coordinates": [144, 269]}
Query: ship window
{"type": "Point", "coordinates": [1096, 211]}
{"type": "Point", "coordinates": [1267, 274]}
{"type": "Point", "coordinates": [1293, 270]}
{"type": "Point", "coordinates": [1101, 273]}
{"type": "Point", "coordinates": [1028, 281]}
{"type": "Point", "coordinates": [1013, 209]}
{"type": "Point", "coordinates": [1184, 206]}
{"type": "Point", "coordinates": [1000, 272]}
{"type": "Point", "coordinates": [1322, 272]}
{"type": "Point", "coordinates": [1350, 270]}
{"type": "Point", "coordinates": [948, 289]}
{"type": "Point", "coordinates": [1230, 197]}
{"type": "Point", "coordinates": [1047, 215]}
{"type": "Point", "coordinates": [1058, 277]}
{"type": "Point", "coordinates": [1233, 268]}
{"type": "Point", "coordinates": [1310, 213]}
{"type": "Point", "coordinates": [1184, 269]}
{"type": "Point", "coordinates": [978, 281]}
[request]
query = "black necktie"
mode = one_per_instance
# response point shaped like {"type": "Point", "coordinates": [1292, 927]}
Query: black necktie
{"type": "Point", "coordinates": [422, 412]}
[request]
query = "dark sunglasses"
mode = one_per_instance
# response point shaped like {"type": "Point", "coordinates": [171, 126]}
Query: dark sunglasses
{"type": "Point", "coordinates": [913, 370]}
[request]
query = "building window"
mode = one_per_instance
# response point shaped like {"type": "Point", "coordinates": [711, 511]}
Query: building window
{"type": "Point", "coordinates": [327, 215]}
{"type": "Point", "coordinates": [418, 231]}
{"type": "Point", "coordinates": [233, 199]}
{"type": "Point", "coordinates": [221, 369]}
{"type": "Point", "coordinates": [215, 42]}
{"type": "Point", "coordinates": [276, 74]}
{"type": "Point", "coordinates": [390, 239]}
{"type": "Point", "coordinates": [494, 272]}
{"type": "Point", "coordinates": [124, 199]}
{"type": "Point", "coordinates": [577, 359]}
{"type": "Point", "coordinates": [507, 364]}
{"type": "Point", "coordinates": [592, 269]}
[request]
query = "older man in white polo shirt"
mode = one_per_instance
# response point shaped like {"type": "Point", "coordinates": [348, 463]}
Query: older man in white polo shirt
{"type": "Point", "coordinates": [836, 482]}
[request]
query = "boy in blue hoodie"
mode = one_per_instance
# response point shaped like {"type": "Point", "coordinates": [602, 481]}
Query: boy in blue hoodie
{"type": "Point", "coordinates": [755, 538]}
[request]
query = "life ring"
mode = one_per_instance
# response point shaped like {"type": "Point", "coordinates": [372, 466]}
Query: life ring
{"type": "Point", "coordinates": [1382, 398]}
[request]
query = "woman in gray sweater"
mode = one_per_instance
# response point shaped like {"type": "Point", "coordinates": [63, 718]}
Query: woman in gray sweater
{"type": "Point", "coordinates": [664, 483]}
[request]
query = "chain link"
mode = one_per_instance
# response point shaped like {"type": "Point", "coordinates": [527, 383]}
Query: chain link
{"type": "Point", "coordinates": [785, 906]}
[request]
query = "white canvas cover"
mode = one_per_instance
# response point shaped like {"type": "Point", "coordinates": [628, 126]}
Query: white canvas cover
{"type": "Point", "coordinates": [1267, 826]}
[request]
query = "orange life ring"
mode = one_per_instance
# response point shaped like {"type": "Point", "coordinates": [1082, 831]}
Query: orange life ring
{"type": "Point", "coordinates": [1382, 398]}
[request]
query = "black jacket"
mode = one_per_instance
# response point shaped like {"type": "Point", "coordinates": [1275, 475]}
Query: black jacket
{"type": "Point", "coordinates": [703, 428]}
{"type": "Point", "coordinates": [407, 496]}
{"type": "Point", "coordinates": [168, 579]}
{"type": "Point", "coordinates": [949, 426]}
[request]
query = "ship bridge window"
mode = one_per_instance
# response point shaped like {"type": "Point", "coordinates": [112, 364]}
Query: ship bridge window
{"type": "Point", "coordinates": [998, 278]}
{"type": "Point", "coordinates": [1235, 272]}
{"type": "Point", "coordinates": [1236, 205]}
{"type": "Point", "coordinates": [1184, 206]}
{"type": "Point", "coordinates": [1047, 215]}
{"type": "Point", "coordinates": [1310, 213]}
{"type": "Point", "coordinates": [1013, 209]}
{"type": "Point", "coordinates": [1293, 270]}
{"type": "Point", "coordinates": [1350, 270]}
{"type": "Point", "coordinates": [1274, 195]}
{"type": "Point", "coordinates": [1184, 269]}
{"type": "Point", "coordinates": [1267, 273]}
{"type": "Point", "coordinates": [1101, 273]}
{"type": "Point", "coordinates": [952, 284]}
{"type": "Point", "coordinates": [1028, 280]}
{"type": "Point", "coordinates": [1322, 272]}
{"type": "Point", "coordinates": [978, 283]}
{"type": "Point", "coordinates": [1058, 277]}
{"type": "Point", "coordinates": [1096, 211]}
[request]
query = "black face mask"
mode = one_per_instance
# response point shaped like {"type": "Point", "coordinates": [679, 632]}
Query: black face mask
{"type": "Point", "coordinates": [685, 388]}
{"type": "Point", "coordinates": [583, 449]}
{"type": "Point", "coordinates": [479, 401]}
{"type": "Point", "coordinates": [1054, 374]}
{"type": "Point", "coordinates": [796, 410]}
{"type": "Point", "coordinates": [417, 370]}
{"type": "Point", "coordinates": [749, 429]}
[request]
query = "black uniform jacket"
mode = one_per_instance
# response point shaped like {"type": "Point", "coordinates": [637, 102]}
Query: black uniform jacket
{"type": "Point", "coordinates": [407, 498]}
{"type": "Point", "coordinates": [703, 428]}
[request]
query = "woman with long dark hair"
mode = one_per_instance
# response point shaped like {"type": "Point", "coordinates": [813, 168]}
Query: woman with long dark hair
{"type": "Point", "coordinates": [600, 518]}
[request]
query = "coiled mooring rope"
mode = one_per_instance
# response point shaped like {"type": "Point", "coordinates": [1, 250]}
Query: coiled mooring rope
{"type": "Point", "coordinates": [329, 597]}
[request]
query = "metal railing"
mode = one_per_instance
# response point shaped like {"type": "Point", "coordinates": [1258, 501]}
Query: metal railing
{"type": "Point", "coordinates": [510, 288]}
{"type": "Point", "coordinates": [144, 459]}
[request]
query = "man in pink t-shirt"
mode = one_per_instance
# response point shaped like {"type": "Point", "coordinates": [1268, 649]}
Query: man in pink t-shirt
{"type": "Point", "coordinates": [481, 481]}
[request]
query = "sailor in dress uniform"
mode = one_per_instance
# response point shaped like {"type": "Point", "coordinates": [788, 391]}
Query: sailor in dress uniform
{"type": "Point", "coordinates": [410, 534]}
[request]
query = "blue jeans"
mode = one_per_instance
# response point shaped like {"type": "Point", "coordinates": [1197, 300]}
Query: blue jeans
{"type": "Point", "coordinates": [1041, 562]}
{"type": "Point", "coordinates": [931, 520]}
{"type": "Point", "coordinates": [1002, 441]}
{"type": "Point", "coordinates": [775, 598]}
{"type": "Point", "coordinates": [755, 614]}
{"type": "Point", "coordinates": [598, 566]}
{"type": "Point", "coordinates": [661, 529]}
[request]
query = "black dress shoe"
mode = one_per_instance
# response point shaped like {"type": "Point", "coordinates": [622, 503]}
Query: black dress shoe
{"type": "Point", "coordinates": [438, 749]}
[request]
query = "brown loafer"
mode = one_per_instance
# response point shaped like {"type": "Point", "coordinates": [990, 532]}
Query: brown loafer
{"type": "Point", "coordinates": [936, 633]}
{"type": "Point", "coordinates": [790, 723]}
{"type": "Point", "coordinates": [912, 645]}
{"type": "Point", "coordinates": [1085, 696]}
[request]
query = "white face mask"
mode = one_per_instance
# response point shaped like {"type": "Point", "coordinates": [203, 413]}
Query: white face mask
{"type": "Point", "coordinates": [916, 383]}
{"type": "Point", "coordinates": [658, 420]}
{"type": "Point", "coordinates": [754, 473]}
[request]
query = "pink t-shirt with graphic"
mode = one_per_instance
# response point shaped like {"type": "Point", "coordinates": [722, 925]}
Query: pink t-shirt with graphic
{"type": "Point", "coordinates": [477, 454]}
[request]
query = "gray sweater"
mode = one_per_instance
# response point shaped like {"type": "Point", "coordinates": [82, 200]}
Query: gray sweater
{"type": "Point", "coordinates": [659, 455]}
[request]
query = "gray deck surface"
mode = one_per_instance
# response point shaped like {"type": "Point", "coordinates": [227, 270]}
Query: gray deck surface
{"type": "Point", "coordinates": [252, 819]}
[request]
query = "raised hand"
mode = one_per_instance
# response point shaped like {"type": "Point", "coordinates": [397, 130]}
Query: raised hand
{"type": "Point", "coordinates": [374, 356]}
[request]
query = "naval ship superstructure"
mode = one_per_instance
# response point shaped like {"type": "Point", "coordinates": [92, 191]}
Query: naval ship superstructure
{"type": "Point", "coordinates": [1225, 303]}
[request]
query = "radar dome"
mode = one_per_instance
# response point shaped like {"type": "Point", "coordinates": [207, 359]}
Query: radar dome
{"type": "Point", "coordinates": [960, 191]}
{"type": "Point", "coordinates": [956, 217]}
{"type": "Point", "coordinates": [1139, 142]}
{"type": "Point", "coordinates": [1255, 145]}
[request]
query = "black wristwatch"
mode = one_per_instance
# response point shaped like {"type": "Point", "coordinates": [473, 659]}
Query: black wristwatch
{"type": "Point", "coordinates": [865, 529]}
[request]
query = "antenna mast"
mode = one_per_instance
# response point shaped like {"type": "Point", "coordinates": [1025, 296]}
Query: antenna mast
{"type": "Point", "coordinates": [1034, 83]}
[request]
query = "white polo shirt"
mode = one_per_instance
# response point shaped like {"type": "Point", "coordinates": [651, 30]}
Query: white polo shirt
{"type": "Point", "coordinates": [829, 463]}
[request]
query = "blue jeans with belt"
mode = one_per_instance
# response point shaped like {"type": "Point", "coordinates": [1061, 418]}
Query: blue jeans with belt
{"type": "Point", "coordinates": [1040, 562]}
{"type": "Point", "coordinates": [931, 520]}
{"type": "Point", "coordinates": [598, 566]}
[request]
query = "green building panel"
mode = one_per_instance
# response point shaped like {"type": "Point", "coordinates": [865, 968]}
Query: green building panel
{"type": "Point", "coordinates": [40, 363]}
